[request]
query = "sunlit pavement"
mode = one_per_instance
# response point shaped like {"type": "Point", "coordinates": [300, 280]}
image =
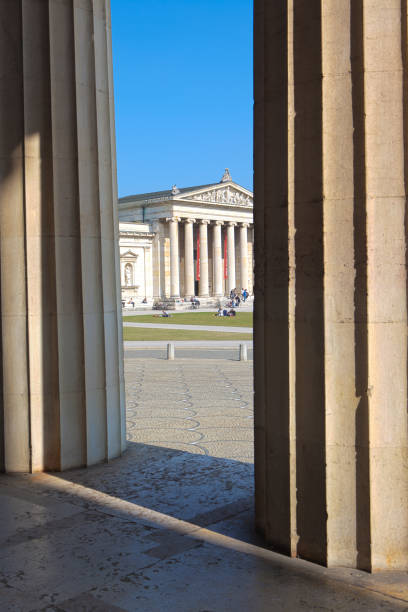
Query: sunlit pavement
{"type": "Point", "coordinates": [188, 352]}
{"type": "Point", "coordinates": [169, 526]}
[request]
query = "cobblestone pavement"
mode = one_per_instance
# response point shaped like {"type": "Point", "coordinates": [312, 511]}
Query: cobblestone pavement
{"type": "Point", "coordinates": [169, 525]}
{"type": "Point", "coordinates": [202, 407]}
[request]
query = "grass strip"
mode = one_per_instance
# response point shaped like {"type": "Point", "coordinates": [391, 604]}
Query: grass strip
{"type": "Point", "coordinates": [242, 319]}
{"type": "Point", "coordinates": [143, 334]}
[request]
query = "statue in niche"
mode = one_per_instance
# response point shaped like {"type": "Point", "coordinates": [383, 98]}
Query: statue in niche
{"type": "Point", "coordinates": [128, 275]}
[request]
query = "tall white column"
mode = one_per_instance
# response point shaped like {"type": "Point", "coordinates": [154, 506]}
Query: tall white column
{"type": "Point", "coordinates": [174, 257]}
{"type": "Point", "coordinates": [243, 248]}
{"type": "Point", "coordinates": [217, 250]}
{"type": "Point", "coordinates": [203, 284]}
{"type": "Point", "coordinates": [61, 337]}
{"type": "Point", "coordinates": [188, 258]}
{"type": "Point", "coordinates": [156, 260]}
{"type": "Point", "coordinates": [231, 256]}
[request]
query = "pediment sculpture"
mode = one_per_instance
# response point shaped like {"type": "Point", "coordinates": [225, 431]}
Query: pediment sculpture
{"type": "Point", "coordinates": [223, 195]}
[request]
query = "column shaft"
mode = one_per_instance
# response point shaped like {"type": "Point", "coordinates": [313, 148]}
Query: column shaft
{"type": "Point", "coordinates": [385, 77]}
{"type": "Point", "coordinates": [231, 280]}
{"type": "Point", "coordinates": [156, 261]}
{"type": "Point", "coordinates": [243, 251]}
{"type": "Point", "coordinates": [174, 258]}
{"type": "Point", "coordinates": [203, 283]}
{"type": "Point", "coordinates": [331, 433]}
{"type": "Point", "coordinates": [61, 339]}
{"type": "Point", "coordinates": [217, 257]}
{"type": "Point", "coordinates": [188, 258]}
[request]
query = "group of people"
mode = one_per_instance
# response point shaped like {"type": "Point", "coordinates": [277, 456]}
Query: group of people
{"type": "Point", "coordinates": [195, 303]}
{"type": "Point", "coordinates": [236, 297]}
{"type": "Point", "coordinates": [132, 303]}
{"type": "Point", "coordinates": [224, 312]}
{"type": "Point", "coordinates": [164, 314]}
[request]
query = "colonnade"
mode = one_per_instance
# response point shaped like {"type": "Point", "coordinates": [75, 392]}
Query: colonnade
{"type": "Point", "coordinates": [203, 258]}
{"type": "Point", "coordinates": [330, 168]}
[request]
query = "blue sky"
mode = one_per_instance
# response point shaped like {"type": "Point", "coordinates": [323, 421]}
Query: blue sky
{"type": "Point", "coordinates": [183, 92]}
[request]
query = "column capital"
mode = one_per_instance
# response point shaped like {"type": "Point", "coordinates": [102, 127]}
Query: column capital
{"type": "Point", "coordinates": [244, 224]}
{"type": "Point", "coordinates": [189, 220]}
{"type": "Point", "coordinates": [173, 219]}
{"type": "Point", "coordinates": [203, 222]}
{"type": "Point", "coordinates": [218, 222]}
{"type": "Point", "coordinates": [232, 223]}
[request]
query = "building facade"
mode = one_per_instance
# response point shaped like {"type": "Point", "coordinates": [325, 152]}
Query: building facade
{"type": "Point", "coordinates": [185, 242]}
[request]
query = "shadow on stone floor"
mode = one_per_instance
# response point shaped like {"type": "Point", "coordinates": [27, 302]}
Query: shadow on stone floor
{"type": "Point", "coordinates": [190, 487]}
{"type": "Point", "coordinates": [160, 528]}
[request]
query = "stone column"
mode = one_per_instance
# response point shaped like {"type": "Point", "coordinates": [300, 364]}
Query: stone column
{"type": "Point", "coordinates": [188, 258]}
{"type": "Point", "coordinates": [217, 255]}
{"type": "Point", "coordinates": [174, 257]}
{"type": "Point", "coordinates": [231, 280]}
{"type": "Point", "coordinates": [156, 260]}
{"type": "Point", "coordinates": [203, 283]}
{"type": "Point", "coordinates": [62, 402]}
{"type": "Point", "coordinates": [243, 252]}
{"type": "Point", "coordinates": [331, 444]}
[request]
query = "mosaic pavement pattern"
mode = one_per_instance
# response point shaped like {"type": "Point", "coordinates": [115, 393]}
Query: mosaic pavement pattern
{"type": "Point", "coordinates": [168, 526]}
{"type": "Point", "coordinates": [203, 407]}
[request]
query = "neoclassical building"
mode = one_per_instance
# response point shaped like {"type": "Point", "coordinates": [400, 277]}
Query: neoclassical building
{"type": "Point", "coordinates": [188, 241]}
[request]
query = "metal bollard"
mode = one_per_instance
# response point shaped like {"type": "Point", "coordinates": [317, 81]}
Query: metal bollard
{"type": "Point", "coordinates": [170, 351]}
{"type": "Point", "coordinates": [243, 352]}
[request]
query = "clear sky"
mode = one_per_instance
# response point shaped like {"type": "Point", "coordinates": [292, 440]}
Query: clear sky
{"type": "Point", "coordinates": [183, 92]}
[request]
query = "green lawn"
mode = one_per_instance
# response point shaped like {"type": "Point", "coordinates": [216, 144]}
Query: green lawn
{"type": "Point", "coordinates": [145, 334]}
{"type": "Point", "coordinates": [243, 319]}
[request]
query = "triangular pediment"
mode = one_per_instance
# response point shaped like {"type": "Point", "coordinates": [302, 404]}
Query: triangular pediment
{"type": "Point", "coordinates": [222, 194]}
{"type": "Point", "coordinates": [129, 254]}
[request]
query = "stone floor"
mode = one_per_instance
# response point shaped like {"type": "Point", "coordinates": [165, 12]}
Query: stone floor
{"type": "Point", "coordinates": [169, 526]}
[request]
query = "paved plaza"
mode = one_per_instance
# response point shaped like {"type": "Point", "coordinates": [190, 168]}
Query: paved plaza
{"type": "Point", "coordinates": [170, 525]}
{"type": "Point", "coordinates": [198, 407]}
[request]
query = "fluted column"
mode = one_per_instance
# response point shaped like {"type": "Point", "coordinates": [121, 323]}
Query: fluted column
{"type": "Point", "coordinates": [231, 280]}
{"type": "Point", "coordinates": [62, 401]}
{"type": "Point", "coordinates": [174, 257]}
{"type": "Point", "coordinates": [188, 258]}
{"type": "Point", "coordinates": [217, 258]}
{"type": "Point", "coordinates": [203, 283]}
{"type": "Point", "coordinates": [243, 252]}
{"type": "Point", "coordinates": [331, 448]}
{"type": "Point", "coordinates": [156, 260]}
